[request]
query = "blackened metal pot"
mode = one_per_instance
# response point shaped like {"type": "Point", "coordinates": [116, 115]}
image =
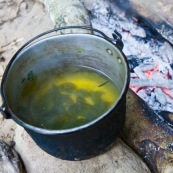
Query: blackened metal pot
{"type": "Point", "coordinates": [94, 50]}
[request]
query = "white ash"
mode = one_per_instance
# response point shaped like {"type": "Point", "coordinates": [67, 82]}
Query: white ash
{"type": "Point", "coordinates": [139, 73]}
{"type": "Point", "coordinates": [144, 95]}
{"type": "Point", "coordinates": [160, 96]}
{"type": "Point", "coordinates": [153, 55]}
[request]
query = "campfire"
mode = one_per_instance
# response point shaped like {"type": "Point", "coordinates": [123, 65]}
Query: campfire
{"type": "Point", "coordinates": [150, 56]}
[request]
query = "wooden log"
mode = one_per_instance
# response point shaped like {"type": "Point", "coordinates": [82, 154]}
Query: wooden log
{"type": "Point", "coordinates": [68, 13]}
{"type": "Point", "coordinates": [148, 135]}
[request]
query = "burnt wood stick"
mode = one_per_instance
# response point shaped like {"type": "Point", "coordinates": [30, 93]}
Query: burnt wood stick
{"type": "Point", "coordinates": [10, 161]}
{"type": "Point", "coordinates": [156, 13]}
{"type": "Point", "coordinates": [159, 83]}
{"type": "Point", "coordinates": [148, 135]}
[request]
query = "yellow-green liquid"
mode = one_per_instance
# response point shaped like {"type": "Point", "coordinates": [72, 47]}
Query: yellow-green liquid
{"type": "Point", "coordinates": [65, 97]}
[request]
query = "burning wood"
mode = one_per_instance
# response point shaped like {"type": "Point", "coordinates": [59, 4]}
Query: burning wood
{"type": "Point", "coordinates": [157, 13]}
{"type": "Point", "coordinates": [151, 137]}
{"type": "Point", "coordinates": [150, 58]}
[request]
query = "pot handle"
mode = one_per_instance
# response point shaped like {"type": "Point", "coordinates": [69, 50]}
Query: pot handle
{"type": "Point", "coordinates": [1, 108]}
{"type": "Point", "coordinates": [116, 40]}
{"type": "Point", "coordinates": [118, 37]}
{"type": "Point", "coordinates": [3, 112]}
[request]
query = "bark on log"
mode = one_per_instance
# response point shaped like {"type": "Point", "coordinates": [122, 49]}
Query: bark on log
{"type": "Point", "coordinates": [68, 13]}
{"type": "Point", "coordinates": [148, 135]}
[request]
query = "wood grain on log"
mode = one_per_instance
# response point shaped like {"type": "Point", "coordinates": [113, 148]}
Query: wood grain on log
{"type": "Point", "coordinates": [148, 135]}
{"type": "Point", "coordinates": [68, 13]}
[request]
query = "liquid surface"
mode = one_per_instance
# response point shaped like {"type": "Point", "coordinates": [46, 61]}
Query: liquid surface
{"type": "Point", "coordinates": [65, 97]}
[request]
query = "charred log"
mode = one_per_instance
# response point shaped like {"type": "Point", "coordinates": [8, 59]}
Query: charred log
{"type": "Point", "coordinates": [147, 134]}
{"type": "Point", "coordinates": [158, 14]}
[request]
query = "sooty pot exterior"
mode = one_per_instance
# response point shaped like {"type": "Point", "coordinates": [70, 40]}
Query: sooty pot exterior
{"type": "Point", "coordinates": [85, 143]}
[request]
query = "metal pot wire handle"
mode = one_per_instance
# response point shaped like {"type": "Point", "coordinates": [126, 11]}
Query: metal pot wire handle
{"type": "Point", "coordinates": [116, 36]}
{"type": "Point", "coordinates": [116, 40]}
{"type": "Point", "coordinates": [2, 108]}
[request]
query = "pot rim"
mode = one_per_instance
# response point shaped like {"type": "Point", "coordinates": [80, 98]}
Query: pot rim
{"type": "Point", "coordinates": [9, 112]}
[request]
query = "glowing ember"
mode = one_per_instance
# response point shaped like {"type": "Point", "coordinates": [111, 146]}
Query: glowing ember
{"type": "Point", "coordinates": [135, 19]}
{"type": "Point", "coordinates": [168, 92]}
{"type": "Point", "coordinates": [135, 89]}
{"type": "Point", "coordinates": [148, 74]}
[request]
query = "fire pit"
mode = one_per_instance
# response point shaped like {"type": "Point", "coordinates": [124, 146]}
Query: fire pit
{"type": "Point", "coordinates": [150, 58]}
{"type": "Point", "coordinates": [149, 55]}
